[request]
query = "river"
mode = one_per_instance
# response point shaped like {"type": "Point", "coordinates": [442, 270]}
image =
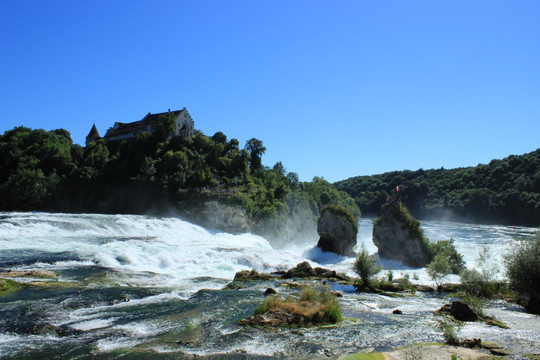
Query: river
{"type": "Point", "coordinates": [152, 288]}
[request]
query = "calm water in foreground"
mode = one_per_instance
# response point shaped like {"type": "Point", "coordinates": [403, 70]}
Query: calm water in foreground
{"type": "Point", "coordinates": [151, 288]}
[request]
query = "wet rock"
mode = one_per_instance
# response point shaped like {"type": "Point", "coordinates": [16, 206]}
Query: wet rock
{"type": "Point", "coordinates": [325, 272]}
{"type": "Point", "coordinates": [491, 345]}
{"type": "Point", "coordinates": [459, 310]}
{"type": "Point", "coordinates": [500, 352]}
{"type": "Point", "coordinates": [300, 271]}
{"type": "Point", "coordinates": [276, 318]}
{"type": "Point", "coordinates": [489, 320]}
{"type": "Point", "coordinates": [337, 294]}
{"type": "Point", "coordinates": [397, 312]}
{"type": "Point", "coordinates": [247, 275]}
{"type": "Point", "coordinates": [270, 291]}
{"type": "Point", "coordinates": [337, 231]}
{"type": "Point", "coordinates": [398, 236]}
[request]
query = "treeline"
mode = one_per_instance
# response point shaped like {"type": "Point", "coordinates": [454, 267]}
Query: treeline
{"type": "Point", "coordinates": [504, 191]}
{"type": "Point", "coordinates": [153, 173]}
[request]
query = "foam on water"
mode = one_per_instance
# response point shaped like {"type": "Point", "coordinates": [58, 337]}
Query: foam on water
{"type": "Point", "coordinates": [169, 252]}
{"type": "Point", "coordinates": [173, 249]}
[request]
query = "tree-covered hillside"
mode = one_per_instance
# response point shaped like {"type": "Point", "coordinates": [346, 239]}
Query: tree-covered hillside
{"type": "Point", "coordinates": [154, 173]}
{"type": "Point", "coordinates": [504, 191]}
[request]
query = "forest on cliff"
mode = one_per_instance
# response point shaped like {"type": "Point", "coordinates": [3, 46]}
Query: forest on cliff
{"type": "Point", "coordinates": [504, 191]}
{"type": "Point", "coordinates": [156, 173]}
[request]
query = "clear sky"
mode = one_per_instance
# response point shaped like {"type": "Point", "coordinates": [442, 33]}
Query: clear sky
{"type": "Point", "coordinates": [332, 88]}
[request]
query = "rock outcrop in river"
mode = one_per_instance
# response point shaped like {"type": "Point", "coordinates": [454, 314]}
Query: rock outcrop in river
{"type": "Point", "coordinates": [398, 236]}
{"type": "Point", "coordinates": [337, 229]}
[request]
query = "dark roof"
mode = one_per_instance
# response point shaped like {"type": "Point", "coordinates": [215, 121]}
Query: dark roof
{"type": "Point", "coordinates": [137, 126]}
{"type": "Point", "coordinates": [94, 132]}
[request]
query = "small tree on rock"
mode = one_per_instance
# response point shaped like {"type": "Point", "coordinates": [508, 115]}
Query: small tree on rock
{"type": "Point", "coordinates": [365, 266]}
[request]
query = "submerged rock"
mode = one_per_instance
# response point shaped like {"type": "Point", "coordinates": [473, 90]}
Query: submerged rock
{"type": "Point", "coordinates": [337, 229]}
{"type": "Point", "coordinates": [398, 236]}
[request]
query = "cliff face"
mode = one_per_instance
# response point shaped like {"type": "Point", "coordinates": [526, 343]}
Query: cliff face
{"type": "Point", "coordinates": [214, 215]}
{"type": "Point", "coordinates": [398, 236]}
{"type": "Point", "coordinates": [337, 232]}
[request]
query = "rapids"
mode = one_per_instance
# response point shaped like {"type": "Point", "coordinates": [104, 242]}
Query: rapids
{"type": "Point", "coordinates": [147, 287]}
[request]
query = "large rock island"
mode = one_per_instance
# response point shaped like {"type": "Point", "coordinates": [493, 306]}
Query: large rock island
{"type": "Point", "coordinates": [398, 236]}
{"type": "Point", "coordinates": [337, 229]}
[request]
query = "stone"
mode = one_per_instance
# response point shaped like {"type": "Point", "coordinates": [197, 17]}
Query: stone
{"type": "Point", "coordinates": [397, 312]}
{"type": "Point", "coordinates": [300, 271]}
{"type": "Point", "coordinates": [459, 310]}
{"type": "Point", "coordinates": [398, 236]}
{"type": "Point", "coordinates": [247, 275]}
{"type": "Point", "coordinates": [277, 318]}
{"type": "Point", "coordinates": [337, 231]}
{"type": "Point", "coordinates": [270, 291]}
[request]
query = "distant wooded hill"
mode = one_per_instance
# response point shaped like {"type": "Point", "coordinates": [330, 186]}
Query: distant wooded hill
{"type": "Point", "coordinates": [504, 191]}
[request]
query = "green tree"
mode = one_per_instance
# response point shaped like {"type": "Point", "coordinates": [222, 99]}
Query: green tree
{"type": "Point", "coordinates": [256, 151]}
{"type": "Point", "coordinates": [523, 266]}
{"type": "Point", "coordinates": [365, 266]}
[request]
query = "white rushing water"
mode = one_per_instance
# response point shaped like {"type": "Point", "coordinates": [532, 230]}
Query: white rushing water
{"type": "Point", "coordinates": [149, 251]}
{"type": "Point", "coordinates": [144, 249]}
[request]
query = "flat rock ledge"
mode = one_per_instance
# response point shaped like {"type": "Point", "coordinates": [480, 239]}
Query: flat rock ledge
{"type": "Point", "coordinates": [42, 274]}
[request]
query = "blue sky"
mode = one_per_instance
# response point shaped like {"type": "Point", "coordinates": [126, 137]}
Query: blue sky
{"type": "Point", "coordinates": [332, 88]}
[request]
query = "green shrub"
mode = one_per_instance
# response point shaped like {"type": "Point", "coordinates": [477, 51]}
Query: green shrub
{"type": "Point", "coordinates": [315, 305]}
{"type": "Point", "coordinates": [523, 266]}
{"type": "Point", "coordinates": [365, 266]}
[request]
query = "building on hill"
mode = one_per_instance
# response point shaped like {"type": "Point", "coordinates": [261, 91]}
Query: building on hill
{"type": "Point", "coordinates": [93, 135]}
{"type": "Point", "coordinates": [184, 126]}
